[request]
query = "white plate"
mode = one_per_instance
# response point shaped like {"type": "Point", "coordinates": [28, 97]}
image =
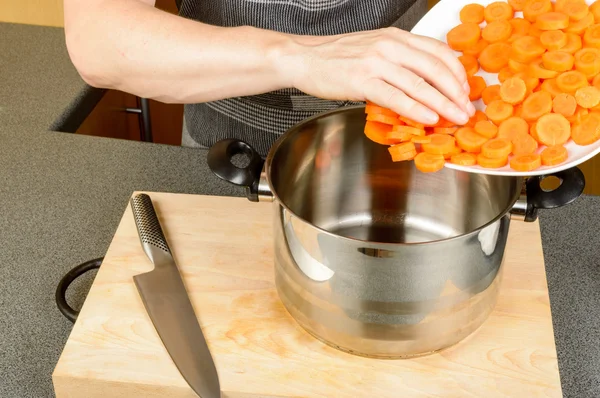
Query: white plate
{"type": "Point", "coordinates": [436, 24]}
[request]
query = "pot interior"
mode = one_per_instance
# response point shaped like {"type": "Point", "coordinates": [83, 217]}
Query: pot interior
{"type": "Point", "coordinates": [327, 172]}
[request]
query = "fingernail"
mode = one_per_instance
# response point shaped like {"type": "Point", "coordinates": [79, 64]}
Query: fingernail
{"type": "Point", "coordinates": [459, 115]}
{"type": "Point", "coordinates": [470, 108]}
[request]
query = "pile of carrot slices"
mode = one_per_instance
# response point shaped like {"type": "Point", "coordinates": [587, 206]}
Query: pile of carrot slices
{"type": "Point", "coordinates": [548, 68]}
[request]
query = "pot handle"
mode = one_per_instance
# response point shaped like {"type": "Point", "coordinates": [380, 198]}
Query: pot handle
{"type": "Point", "coordinates": [572, 185]}
{"type": "Point", "coordinates": [219, 160]}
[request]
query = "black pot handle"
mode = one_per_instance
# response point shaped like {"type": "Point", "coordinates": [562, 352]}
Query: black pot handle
{"type": "Point", "coordinates": [65, 282]}
{"type": "Point", "coordinates": [219, 161]}
{"type": "Point", "coordinates": [572, 185]}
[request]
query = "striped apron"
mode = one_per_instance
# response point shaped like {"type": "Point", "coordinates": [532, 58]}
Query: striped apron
{"type": "Point", "coordinates": [261, 119]}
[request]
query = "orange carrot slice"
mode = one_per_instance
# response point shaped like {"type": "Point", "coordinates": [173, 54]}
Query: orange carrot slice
{"type": "Point", "coordinates": [478, 48]}
{"type": "Point", "coordinates": [553, 40]}
{"type": "Point", "coordinates": [516, 66]}
{"type": "Point", "coordinates": [595, 10]}
{"type": "Point", "coordinates": [491, 163]}
{"type": "Point", "coordinates": [596, 81]}
{"type": "Point", "coordinates": [498, 11]}
{"type": "Point", "coordinates": [455, 151]}
{"type": "Point", "coordinates": [587, 97]}
{"type": "Point", "coordinates": [479, 115]}
{"type": "Point", "coordinates": [513, 91]}
{"type": "Point", "coordinates": [575, 10]}
{"type": "Point", "coordinates": [526, 49]}
{"type": "Point", "coordinates": [504, 74]}
{"type": "Point", "coordinates": [439, 144]}
{"type": "Point", "coordinates": [573, 45]}
{"type": "Point", "coordinates": [444, 130]}
{"type": "Point", "coordinates": [526, 162]}
{"type": "Point", "coordinates": [511, 127]}
{"type": "Point", "coordinates": [537, 105]}
{"type": "Point", "coordinates": [571, 81]}
{"type": "Point", "coordinates": [470, 64]}
{"type": "Point", "coordinates": [520, 26]}
{"type": "Point", "coordinates": [497, 148]}
{"type": "Point", "coordinates": [477, 85]}
{"type": "Point", "coordinates": [397, 136]}
{"type": "Point", "coordinates": [376, 109]}
{"type": "Point", "coordinates": [463, 36]}
{"type": "Point", "coordinates": [464, 159]}
{"type": "Point", "coordinates": [553, 129]}
{"type": "Point", "coordinates": [537, 70]}
{"type": "Point", "coordinates": [579, 27]}
{"type": "Point", "coordinates": [402, 148]}
{"type": "Point", "coordinates": [564, 104]}
{"type": "Point", "coordinates": [578, 116]}
{"type": "Point", "coordinates": [498, 111]}
{"type": "Point", "coordinates": [497, 31]}
{"type": "Point", "coordinates": [523, 144]}
{"type": "Point", "coordinates": [587, 61]}
{"type": "Point", "coordinates": [535, 8]}
{"type": "Point", "coordinates": [381, 118]}
{"type": "Point", "coordinates": [491, 93]}
{"type": "Point", "coordinates": [553, 155]}
{"type": "Point", "coordinates": [429, 163]}
{"type": "Point", "coordinates": [377, 132]}
{"type": "Point", "coordinates": [423, 139]}
{"type": "Point", "coordinates": [486, 129]}
{"type": "Point", "coordinates": [468, 140]}
{"type": "Point", "coordinates": [495, 57]}
{"type": "Point", "coordinates": [551, 87]}
{"type": "Point", "coordinates": [472, 13]}
{"type": "Point", "coordinates": [558, 61]}
{"type": "Point", "coordinates": [552, 21]}
{"type": "Point", "coordinates": [409, 130]}
{"type": "Point", "coordinates": [587, 131]}
{"type": "Point", "coordinates": [517, 5]}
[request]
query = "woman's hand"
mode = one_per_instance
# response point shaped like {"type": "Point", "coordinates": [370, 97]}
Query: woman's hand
{"type": "Point", "coordinates": [415, 76]}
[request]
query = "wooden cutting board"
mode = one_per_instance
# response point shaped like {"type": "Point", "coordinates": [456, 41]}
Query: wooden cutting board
{"type": "Point", "coordinates": [223, 248]}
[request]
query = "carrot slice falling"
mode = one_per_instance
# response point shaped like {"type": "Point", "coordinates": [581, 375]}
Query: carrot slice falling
{"type": "Point", "coordinates": [495, 57]}
{"type": "Point", "coordinates": [486, 129]}
{"type": "Point", "coordinates": [553, 129]}
{"type": "Point", "coordinates": [537, 105]}
{"type": "Point", "coordinates": [587, 131]}
{"type": "Point", "coordinates": [564, 104]}
{"type": "Point", "coordinates": [472, 13]}
{"type": "Point", "coordinates": [491, 163]}
{"type": "Point", "coordinates": [552, 21]}
{"type": "Point", "coordinates": [468, 140]}
{"type": "Point", "coordinates": [498, 111]}
{"type": "Point", "coordinates": [463, 36]}
{"type": "Point", "coordinates": [439, 144]}
{"type": "Point", "coordinates": [429, 163]}
{"type": "Point", "coordinates": [587, 97]}
{"type": "Point", "coordinates": [526, 162]}
{"type": "Point", "coordinates": [498, 11]}
{"type": "Point", "coordinates": [513, 91]}
{"type": "Point", "coordinates": [464, 159]}
{"type": "Point", "coordinates": [497, 148]}
{"type": "Point", "coordinates": [491, 93]}
{"type": "Point", "coordinates": [553, 155]}
{"type": "Point", "coordinates": [497, 31]}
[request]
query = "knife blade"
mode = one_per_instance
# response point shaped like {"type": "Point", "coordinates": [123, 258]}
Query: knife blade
{"type": "Point", "coordinates": [168, 305]}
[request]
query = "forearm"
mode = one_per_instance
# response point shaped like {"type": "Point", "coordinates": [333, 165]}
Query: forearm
{"type": "Point", "coordinates": [136, 48]}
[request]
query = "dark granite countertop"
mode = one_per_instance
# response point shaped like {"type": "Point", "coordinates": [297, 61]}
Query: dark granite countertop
{"type": "Point", "coordinates": [62, 196]}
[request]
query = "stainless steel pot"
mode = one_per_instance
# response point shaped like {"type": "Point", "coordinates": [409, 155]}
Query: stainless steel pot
{"type": "Point", "coordinates": [376, 258]}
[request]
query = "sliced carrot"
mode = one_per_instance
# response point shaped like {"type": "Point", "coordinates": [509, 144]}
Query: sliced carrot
{"type": "Point", "coordinates": [518, 110]}
{"type": "Point", "coordinates": [477, 117]}
{"type": "Point", "coordinates": [497, 148]}
{"type": "Point", "coordinates": [470, 64]}
{"type": "Point", "coordinates": [498, 111]}
{"type": "Point", "coordinates": [445, 130]}
{"type": "Point", "coordinates": [553, 40]}
{"type": "Point", "coordinates": [381, 118]}
{"type": "Point", "coordinates": [530, 82]}
{"type": "Point", "coordinates": [578, 116]}
{"type": "Point", "coordinates": [574, 44]}
{"type": "Point", "coordinates": [537, 105]}
{"type": "Point", "coordinates": [402, 148]}
{"type": "Point", "coordinates": [398, 136]}
{"type": "Point", "coordinates": [463, 36]}
{"type": "Point", "coordinates": [523, 144]}
{"type": "Point", "coordinates": [472, 13]}
{"type": "Point", "coordinates": [587, 131]}
{"type": "Point", "coordinates": [409, 130]}
{"type": "Point", "coordinates": [513, 91]}
{"type": "Point", "coordinates": [495, 57]}
{"type": "Point", "coordinates": [512, 126]}
{"type": "Point", "coordinates": [596, 81]}
{"type": "Point", "coordinates": [486, 129]}
{"type": "Point", "coordinates": [526, 49]}
{"type": "Point", "coordinates": [579, 27]}
{"type": "Point", "coordinates": [553, 155]}
{"type": "Point", "coordinates": [491, 93]}
{"type": "Point", "coordinates": [505, 73]}
{"type": "Point", "coordinates": [591, 37]}
{"type": "Point", "coordinates": [553, 129]}
{"type": "Point", "coordinates": [526, 162]}
{"type": "Point", "coordinates": [498, 11]}
{"type": "Point", "coordinates": [378, 132]}
{"type": "Point", "coordinates": [587, 61]}
{"type": "Point", "coordinates": [424, 139]}
{"type": "Point", "coordinates": [497, 31]}
{"type": "Point", "coordinates": [516, 66]}
{"type": "Point", "coordinates": [535, 8]}
{"type": "Point", "coordinates": [587, 97]}
{"type": "Point", "coordinates": [491, 163]}
{"type": "Point", "coordinates": [468, 140]}
{"type": "Point", "coordinates": [564, 104]}
{"type": "Point", "coordinates": [520, 26]}
{"type": "Point", "coordinates": [576, 10]}
{"type": "Point", "coordinates": [376, 109]}
{"type": "Point", "coordinates": [534, 31]}
{"type": "Point", "coordinates": [477, 85]}
{"type": "Point", "coordinates": [552, 21]}
{"type": "Point", "coordinates": [405, 156]}
{"type": "Point", "coordinates": [455, 151]}
{"type": "Point", "coordinates": [429, 163]}
{"type": "Point", "coordinates": [571, 81]}
{"type": "Point", "coordinates": [517, 5]}
{"type": "Point", "coordinates": [439, 144]}
{"type": "Point", "coordinates": [477, 48]}
{"type": "Point", "coordinates": [464, 159]}
{"type": "Point", "coordinates": [410, 122]}
{"type": "Point", "coordinates": [533, 132]}
{"type": "Point", "coordinates": [551, 87]}
{"type": "Point", "coordinates": [558, 61]}
{"type": "Point", "coordinates": [595, 10]}
{"type": "Point", "coordinates": [537, 70]}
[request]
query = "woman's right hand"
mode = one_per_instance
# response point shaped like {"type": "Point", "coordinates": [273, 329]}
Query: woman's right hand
{"type": "Point", "coordinates": [415, 76]}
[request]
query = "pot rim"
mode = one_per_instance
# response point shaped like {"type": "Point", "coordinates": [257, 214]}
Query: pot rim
{"type": "Point", "coordinates": [294, 128]}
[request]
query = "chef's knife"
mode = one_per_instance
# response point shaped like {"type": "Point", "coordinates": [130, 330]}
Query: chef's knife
{"type": "Point", "coordinates": [165, 298]}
